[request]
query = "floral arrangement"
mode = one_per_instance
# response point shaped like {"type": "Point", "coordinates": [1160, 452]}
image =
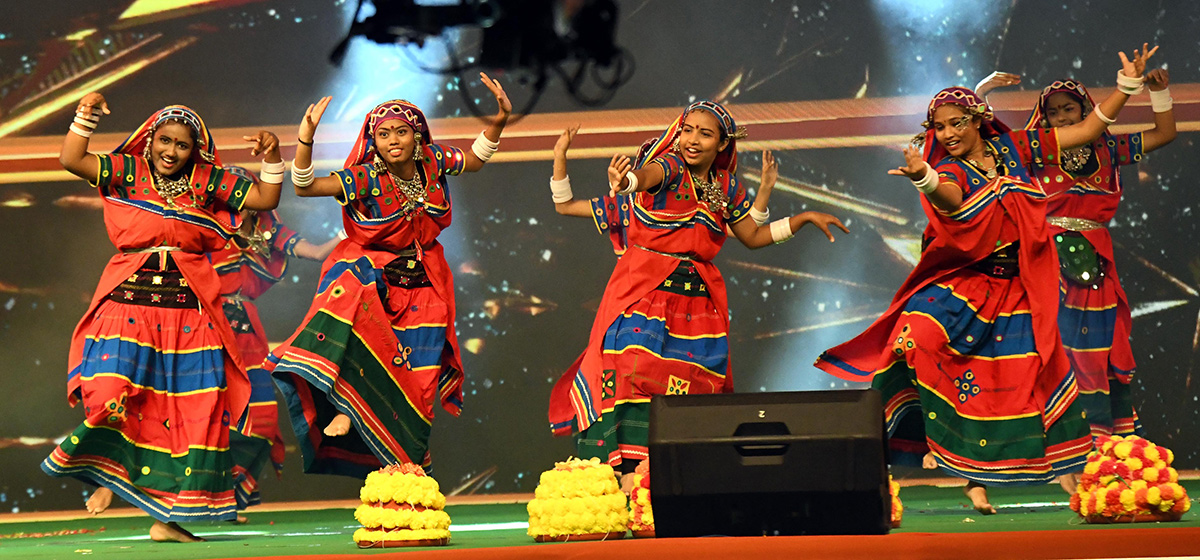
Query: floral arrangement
{"type": "Point", "coordinates": [1129, 479]}
{"type": "Point", "coordinates": [578, 498]}
{"type": "Point", "coordinates": [897, 505]}
{"type": "Point", "coordinates": [641, 515]}
{"type": "Point", "coordinates": [401, 507]}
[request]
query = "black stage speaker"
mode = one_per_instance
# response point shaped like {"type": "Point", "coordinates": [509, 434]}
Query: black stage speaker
{"type": "Point", "coordinates": [797, 463]}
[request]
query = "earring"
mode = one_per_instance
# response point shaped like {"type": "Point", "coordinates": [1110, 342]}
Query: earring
{"type": "Point", "coordinates": [146, 150]}
{"type": "Point", "coordinates": [675, 146]}
{"type": "Point", "coordinates": [417, 147]}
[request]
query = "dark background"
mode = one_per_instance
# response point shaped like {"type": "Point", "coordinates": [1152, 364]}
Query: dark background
{"type": "Point", "coordinates": [261, 63]}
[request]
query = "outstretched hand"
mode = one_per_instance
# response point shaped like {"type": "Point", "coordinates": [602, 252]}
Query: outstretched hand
{"type": "Point", "coordinates": [312, 117]}
{"type": "Point", "coordinates": [1134, 68]}
{"type": "Point", "coordinates": [265, 143]}
{"type": "Point", "coordinates": [91, 101]}
{"type": "Point", "coordinates": [565, 139]}
{"type": "Point", "coordinates": [498, 91]}
{"type": "Point", "coordinates": [823, 221]}
{"type": "Point", "coordinates": [1158, 79]}
{"type": "Point", "coordinates": [770, 170]}
{"type": "Point", "coordinates": [996, 80]}
{"type": "Point", "coordinates": [617, 169]}
{"type": "Point", "coordinates": [914, 166]}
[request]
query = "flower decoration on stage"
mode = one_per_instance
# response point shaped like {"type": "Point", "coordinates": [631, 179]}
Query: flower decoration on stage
{"type": "Point", "coordinates": [1129, 479]}
{"type": "Point", "coordinates": [578, 498]}
{"type": "Point", "coordinates": [641, 514]}
{"type": "Point", "coordinates": [897, 505]}
{"type": "Point", "coordinates": [401, 507]}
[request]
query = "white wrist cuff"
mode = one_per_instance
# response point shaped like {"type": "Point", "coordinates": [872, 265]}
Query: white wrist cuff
{"type": "Point", "coordinates": [302, 178]}
{"type": "Point", "coordinates": [781, 230]}
{"type": "Point", "coordinates": [341, 234]}
{"type": "Point", "coordinates": [633, 184]}
{"type": "Point", "coordinates": [276, 167]}
{"type": "Point", "coordinates": [1161, 101]}
{"type": "Point", "coordinates": [84, 132]}
{"type": "Point", "coordinates": [760, 218]}
{"type": "Point", "coordinates": [929, 182]}
{"type": "Point", "coordinates": [1100, 115]}
{"type": "Point", "coordinates": [560, 190]}
{"type": "Point", "coordinates": [483, 148]}
{"type": "Point", "coordinates": [1129, 86]}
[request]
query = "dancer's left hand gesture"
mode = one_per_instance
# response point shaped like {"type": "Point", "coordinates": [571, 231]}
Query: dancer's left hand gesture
{"type": "Point", "coordinates": [1134, 68]}
{"type": "Point", "coordinates": [498, 91]}
{"type": "Point", "coordinates": [823, 221]}
{"type": "Point", "coordinates": [265, 144]}
{"type": "Point", "coordinates": [1158, 79]}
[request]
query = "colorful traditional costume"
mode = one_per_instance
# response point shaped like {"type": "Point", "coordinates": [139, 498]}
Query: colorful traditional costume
{"type": "Point", "coordinates": [148, 359]}
{"type": "Point", "coordinates": [249, 265]}
{"type": "Point", "coordinates": [378, 343]}
{"type": "Point", "coordinates": [1084, 190]}
{"type": "Point", "coordinates": [968, 355]}
{"type": "Point", "coordinates": [663, 321]}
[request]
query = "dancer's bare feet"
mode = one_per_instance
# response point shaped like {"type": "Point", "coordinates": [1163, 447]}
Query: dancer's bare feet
{"type": "Point", "coordinates": [978, 495]}
{"type": "Point", "coordinates": [1069, 483]}
{"type": "Point", "coordinates": [171, 532]}
{"type": "Point", "coordinates": [241, 520]}
{"type": "Point", "coordinates": [928, 461]}
{"type": "Point", "coordinates": [339, 426]}
{"type": "Point", "coordinates": [99, 500]}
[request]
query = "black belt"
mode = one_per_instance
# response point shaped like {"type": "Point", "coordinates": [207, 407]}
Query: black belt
{"type": "Point", "coordinates": [1000, 264]}
{"type": "Point", "coordinates": [406, 271]}
{"type": "Point", "coordinates": [685, 280]}
{"type": "Point", "coordinates": [156, 284]}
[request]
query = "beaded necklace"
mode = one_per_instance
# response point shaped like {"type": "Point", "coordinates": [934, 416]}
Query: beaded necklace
{"type": "Point", "coordinates": [711, 193]}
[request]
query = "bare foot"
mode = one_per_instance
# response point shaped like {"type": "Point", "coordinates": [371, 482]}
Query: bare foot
{"type": "Point", "coordinates": [928, 461]}
{"type": "Point", "coordinates": [171, 532]}
{"type": "Point", "coordinates": [241, 520]}
{"type": "Point", "coordinates": [99, 500]}
{"type": "Point", "coordinates": [978, 495]}
{"type": "Point", "coordinates": [1069, 483]}
{"type": "Point", "coordinates": [339, 426]}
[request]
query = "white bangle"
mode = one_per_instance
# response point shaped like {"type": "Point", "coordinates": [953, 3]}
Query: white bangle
{"type": "Point", "coordinates": [560, 189]}
{"type": "Point", "coordinates": [760, 218]}
{"type": "Point", "coordinates": [84, 132]}
{"type": "Point", "coordinates": [483, 148]}
{"type": "Point", "coordinates": [1100, 115]}
{"type": "Point", "coordinates": [929, 182]}
{"type": "Point", "coordinates": [781, 230]}
{"type": "Point", "coordinates": [302, 178]}
{"type": "Point", "coordinates": [633, 184]}
{"type": "Point", "coordinates": [1129, 86]}
{"type": "Point", "coordinates": [276, 167]}
{"type": "Point", "coordinates": [1161, 101]}
{"type": "Point", "coordinates": [341, 234]}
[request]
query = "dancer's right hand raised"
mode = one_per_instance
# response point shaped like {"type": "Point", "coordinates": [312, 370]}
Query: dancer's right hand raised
{"type": "Point", "coordinates": [914, 166]}
{"type": "Point", "coordinates": [617, 169]}
{"type": "Point", "coordinates": [312, 117]}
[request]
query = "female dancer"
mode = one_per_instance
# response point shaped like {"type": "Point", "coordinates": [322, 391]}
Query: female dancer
{"type": "Point", "coordinates": [969, 344]}
{"type": "Point", "coordinates": [361, 374]}
{"type": "Point", "coordinates": [249, 264]}
{"type": "Point", "coordinates": [1083, 193]}
{"type": "Point", "coordinates": [149, 360]}
{"type": "Point", "coordinates": [663, 322]}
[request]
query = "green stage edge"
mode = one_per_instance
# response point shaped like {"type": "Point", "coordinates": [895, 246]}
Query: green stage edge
{"type": "Point", "coordinates": [316, 532]}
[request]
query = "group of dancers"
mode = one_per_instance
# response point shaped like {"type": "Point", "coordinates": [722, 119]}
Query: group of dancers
{"type": "Point", "coordinates": [178, 385]}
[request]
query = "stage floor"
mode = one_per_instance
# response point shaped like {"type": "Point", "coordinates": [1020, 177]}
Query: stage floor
{"type": "Point", "coordinates": [1032, 523]}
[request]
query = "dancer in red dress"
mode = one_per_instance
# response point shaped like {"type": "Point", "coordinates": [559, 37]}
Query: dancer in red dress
{"type": "Point", "coordinates": [149, 359]}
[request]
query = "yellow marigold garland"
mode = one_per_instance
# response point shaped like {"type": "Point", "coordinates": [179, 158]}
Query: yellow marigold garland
{"type": "Point", "coordinates": [401, 504]}
{"type": "Point", "coordinates": [1127, 477]}
{"type": "Point", "coordinates": [577, 497]}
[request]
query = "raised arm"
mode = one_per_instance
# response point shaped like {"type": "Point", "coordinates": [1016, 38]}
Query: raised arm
{"type": "Point", "coordinates": [624, 179]}
{"type": "Point", "coordinates": [489, 140]}
{"type": "Point", "coordinates": [306, 250]}
{"type": "Point", "coordinates": [565, 202]}
{"type": "Point", "coordinates": [1129, 81]}
{"type": "Point", "coordinates": [303, 179]}
{"type": "Point", "coordinates": [996, 80]}
{"type": "Point", "coordinates": [74, 155]}
{"type": "Point", "coordinates": [1164, 116]}
{"type": "Point", "coordinates": [760, 213]}
{"type": "Point", "coordinates": [264, 195]}
{"type": "Point", "coordinates": [945, 195]}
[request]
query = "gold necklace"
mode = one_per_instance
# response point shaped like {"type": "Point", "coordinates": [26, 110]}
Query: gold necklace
{"type": "Point", "coordinates": [257, 241]}
{"type": "Point", "coordinates": [414, 190]}
{"type": "Point", "coordinates": [1074, 160]}
{"type": "Point", "coordinates": [987, 151]}
{"type": "Point", "coordinates": [170, 189]}
{"type": "Point", "coordinates": [711, 193]}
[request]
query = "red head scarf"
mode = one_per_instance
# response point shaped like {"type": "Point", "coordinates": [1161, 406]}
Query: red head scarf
{"type": "Point", "coordinates": [974, 106]}
{"type": "Point", "coordinates": [205, 150]}
{"type": "Point", "coordinates": [397, 109]}
{"type": "Point", "coordinates": [1037, 119]}
{"type": "Point", "coordinates": [726, 159]}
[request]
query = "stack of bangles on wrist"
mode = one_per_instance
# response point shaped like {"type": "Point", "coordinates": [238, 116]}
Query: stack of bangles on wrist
{"type": "Point", "coordinates": [85, 123]}
{"type": "Point", "coordinates": [302, 178]}
{"type": "Point", "coordinates": [1129, 86]}
{"type": "Point", "coordinates": [631, 188]}
{"type": "Point", "coordinates": [929, 182]}
{"type": "Point", "coordinates": [781, 230]}
{"type": "Point", "coordinates": [483, 148]}
{"type": "Point", "coordinates": [272, 172]}
{"type": "Point", "coordinates": [560, 189]}
{"type": "Point", "coordinates": [760, 218]}
{"type": "Point", "coordinates": [1161, 101]}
